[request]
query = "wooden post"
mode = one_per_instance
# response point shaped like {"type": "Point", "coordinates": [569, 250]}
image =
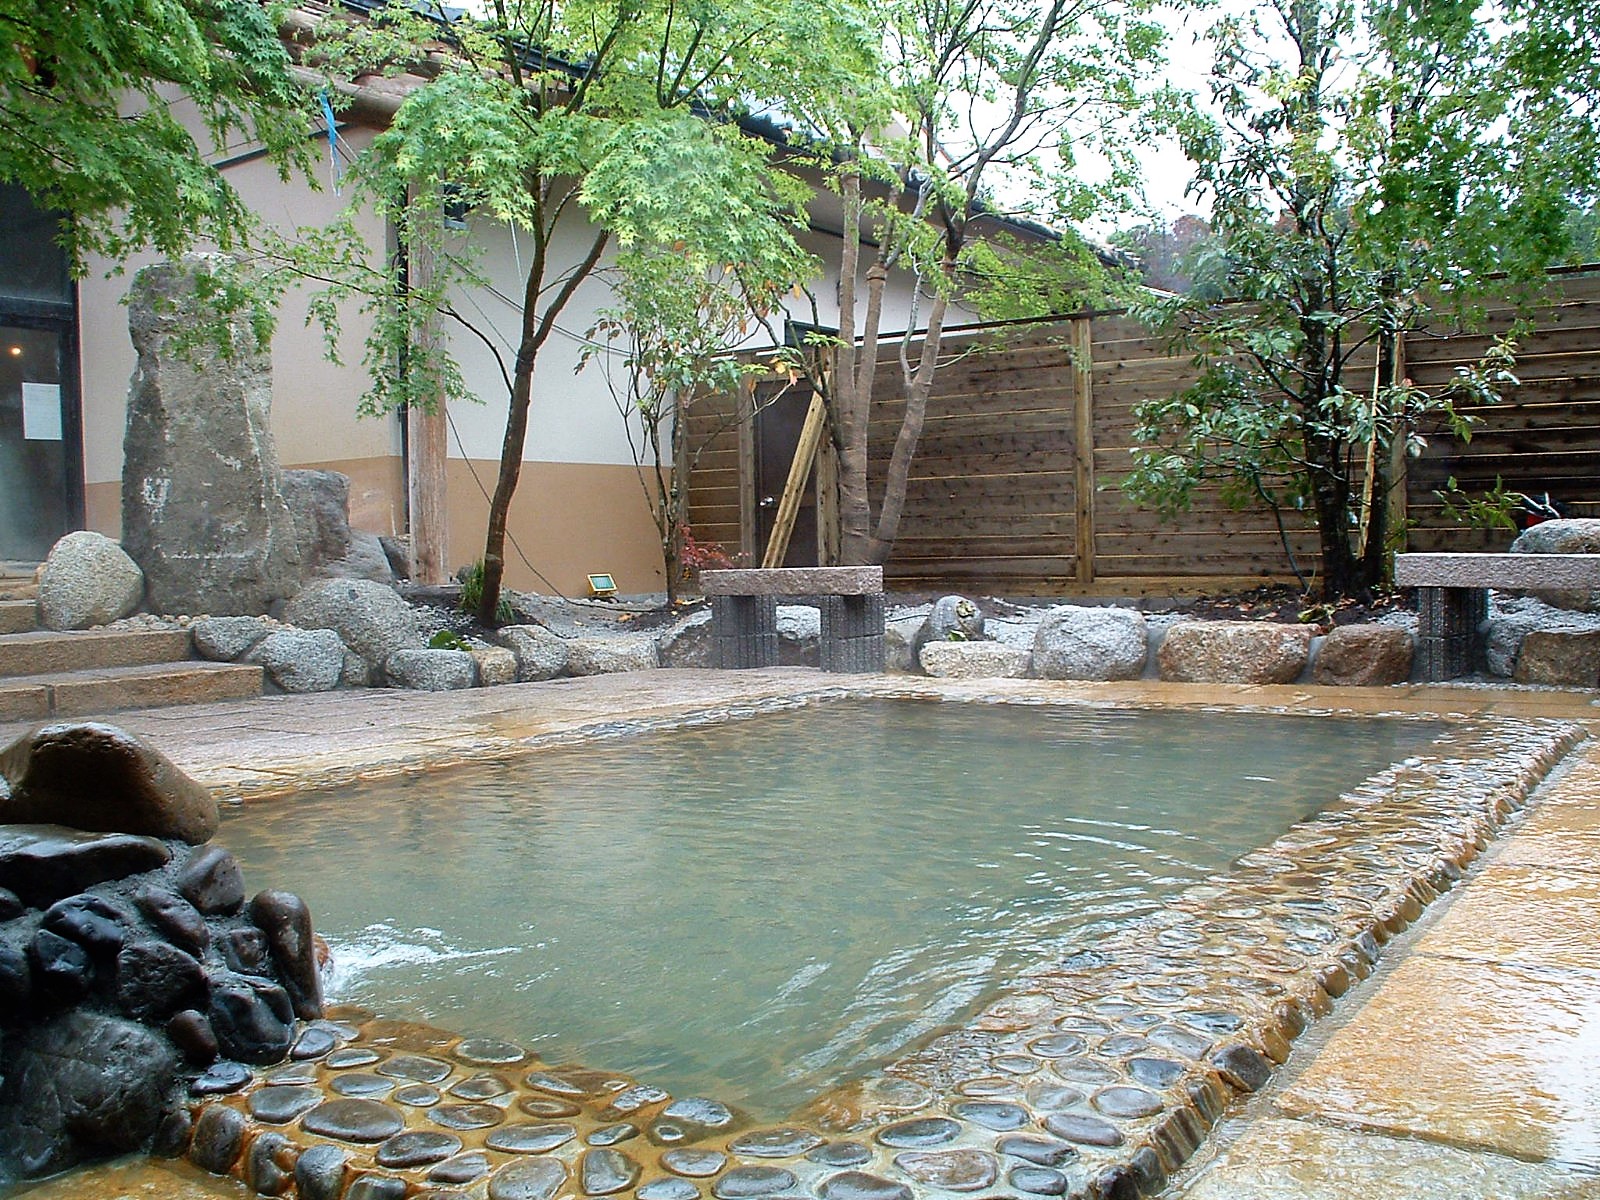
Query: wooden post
{"type": "Point", "coordinates": [745, 402]}
{"type": "Point", "coordinates": [427, 456]}
{"type": "Point", "coordinates": [1399, 483]}
{"type": "Point", "coordinates": [1083, 442]}
{"type": "Point", "coordinates": [805, 454]}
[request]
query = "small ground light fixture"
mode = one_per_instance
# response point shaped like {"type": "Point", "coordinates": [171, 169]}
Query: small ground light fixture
{"type": "Point", "coordinates": [602, 586]}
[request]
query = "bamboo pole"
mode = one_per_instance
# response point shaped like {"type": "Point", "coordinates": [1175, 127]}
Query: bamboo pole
{"type": "Point", "coordinates": [789, 505]}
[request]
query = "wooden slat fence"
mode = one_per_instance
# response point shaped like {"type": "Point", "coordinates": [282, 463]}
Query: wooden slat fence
{"type": "Point", "coordinates": [1030, 426]}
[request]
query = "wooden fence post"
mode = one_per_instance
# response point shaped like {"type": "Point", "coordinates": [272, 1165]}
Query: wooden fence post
{"type": "Point", "coordinates": [427, 454]}
{"type": "Point", "coordinates": [1083, 443]}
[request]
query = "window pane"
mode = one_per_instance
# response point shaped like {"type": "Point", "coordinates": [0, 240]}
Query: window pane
{"type": "Point", "coordinates": [32, 265]}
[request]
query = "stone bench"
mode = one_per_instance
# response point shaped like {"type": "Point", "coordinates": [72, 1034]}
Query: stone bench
{"type": "Point", "coordinates": [744, 615]}
{"type": "Point", "coordinates": [1453, 598]}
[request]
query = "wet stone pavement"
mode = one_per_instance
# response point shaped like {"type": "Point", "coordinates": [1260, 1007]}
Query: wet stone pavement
{"type": "Point", "coordinates": [1098, 1075]}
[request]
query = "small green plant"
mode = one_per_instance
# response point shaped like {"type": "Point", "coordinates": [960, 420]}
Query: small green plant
{"type": "Point", "coordinates": [472, 594]}
{"type": "Point", "coordinates": [448, 639]}
{"type": "Point", "coordinates": [1495, 508]}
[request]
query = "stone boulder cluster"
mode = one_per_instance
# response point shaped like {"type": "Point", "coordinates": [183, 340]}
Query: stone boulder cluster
{"type": "Point", "coordinates": [1095, 643]}
{"type": "Point", "coordinates": [136, 973]}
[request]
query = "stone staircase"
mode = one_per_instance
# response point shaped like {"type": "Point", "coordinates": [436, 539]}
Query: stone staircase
{"type": "Point", "coordinates": [81, 674]}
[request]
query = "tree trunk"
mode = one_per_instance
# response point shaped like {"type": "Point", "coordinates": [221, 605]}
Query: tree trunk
{"type": "Point", "coordinates": [918, 388]}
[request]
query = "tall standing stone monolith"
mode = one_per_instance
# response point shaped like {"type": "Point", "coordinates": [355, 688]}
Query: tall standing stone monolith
{"type": "Point", "coordinates": [203, 512]}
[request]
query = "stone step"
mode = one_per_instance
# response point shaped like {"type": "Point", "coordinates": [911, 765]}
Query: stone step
{"type": "Point", "coordinates": [44, 653]}
{"type": "Point", "coordinates": [160, 685]}
{"type": "Point", "coordinates": [18, 616]}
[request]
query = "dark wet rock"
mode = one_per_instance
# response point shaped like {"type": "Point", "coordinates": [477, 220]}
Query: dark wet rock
{"type": "Point", "coordinates": [174, 918]}
{"type": "Point", "coordinates": [548, 1108]}
{"type": "Point", "coordinates": [1085, 1130]}
{"type": "Point", "coordinates": [1155, 1072]}
{"type": "Point", "coordinates": [1243, 1066]}
{"type": "Point", "coordinates": [93, 922]}
{"type": "Point", "coordinates": [489, 1052]}
{"type": "Point", "coordinates": [1127, 1102]}
{"type": "Point", "coordinates": [694, 1162]}
{"type": "Point", "coordinates": [1148, 1171]}
{"type": "Point", "coordinates": [1180, 1041]}
{"type": "Point", "coordinates": [417, 1148]}
{"type": "Point", "coordinates": [544, 1081]}
{"type": "Point", "coordinates": [417, 1095]}
{"type": "Point", "coordinates": [11, 906]}
{"type": "Point", "coordinates": [463, 1168]}
{"type": "Point", "coordinates": [481, 1087]}
{"type": "Point", "coordinates": [1015, 1064]}
{"type": "Point", "coordinates": [859, 1185]}
{"type": "Point", "coordinates": [362, 1084]}
{"type": "Point", "coordinates": [1084, 1070]}
{"type": "Point", "coordinates": [640, 1096]}
{"type": "Point", "coordinates": [245, 951]}
{"type": "Point", "coordinates": [1123, 1045]}
{"type": "Point", "coordinates": [61, 970]}
{"type": "Point", "coordinates": [221, 1079]}
{"type": "Point", "coordinates": [1038, 1181]}
{"type": "Point", "coordinates": [775, 1143]}
{"type": "Point", "coordinates": [286, 921]}
{"type": "Point", "coordinates": [351, 1056]}
{"type": "Point", "coordinates": [212, 882]}
{"type": "Point", "coordinates": [697, 1110]}
{"type": "Point", "coordinates": [747, 1183]}
{"type": "Point", "coordinates": [953, 1170]}
{"type": "Point", "coordinates": [530, 1139]}
{"type": "Point", "coordinates": [466, 1116]}
{"type": "Point", "coordinates": [1042, 1152]}
{"type": "Point", "coordinates": [1002, 1118]}
{"type": "Point", "coordinates": [42, 863]}
{"type": "Point", "coordinates": [372, 1186]}
{"type": "Point", "coordinates": [269, 1165]}
{"type": "Point", "coordinates": [667, 1133]}
{"type": "Point", "coordinates": [319, 1175]}
{"type": "Point", "coordinates": [173, 1135]}
{"type": "Point", "coordinates": [83, 1085]}
{"type": "Point", "coordinates": [246, 1025]}
{"type": "Point", "coordinates": [1213, 1021]}
{"type": "Point", "coordinates": [313, 1043]}
{"type": "Point", "coordinates": [667, 1189]}
{"type": "Point", "coordinates": [353, 1121]}
{"type": "Point", "coordinates": [283, 1103]}
{"type": "Point", "coordinates": [610, 1135]}
{"type": "Point", "coordinates": [1057, 1045]}
{"type": "Point", "coordinates": [1045, 1096]}
{"type": "Point", "coordinates": [16, 981]}
{"type": "Point", "coordinates": [604, 1172]}
{"type": "Point", "coordinates": [218, 1139]}
{"type": "Point", "coordinates": [96, 777]}
{"type": "Point", "coordinates": [294, 1074]}
{"type": "Point", "coordinates": [417, 1067]}
{"type": "Point", "coordinates": [840, 1154]}
{"type": "Point", "coordinates": [919, 1132]}
{"type": "Point", "coordinates": [527, 1179]}
{"type": "Point", "coordinates": [155, 980]}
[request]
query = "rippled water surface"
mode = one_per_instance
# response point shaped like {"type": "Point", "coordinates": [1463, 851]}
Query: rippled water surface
{"type": "Point", "coordinates": [761, 909]}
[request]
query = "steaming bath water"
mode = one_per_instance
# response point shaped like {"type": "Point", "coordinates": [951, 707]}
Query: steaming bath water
{"type": "Point", "coordinates": [761, 909]}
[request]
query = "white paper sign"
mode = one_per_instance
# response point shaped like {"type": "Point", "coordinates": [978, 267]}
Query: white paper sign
{"type": "Point", "coordinates": [41, 412]}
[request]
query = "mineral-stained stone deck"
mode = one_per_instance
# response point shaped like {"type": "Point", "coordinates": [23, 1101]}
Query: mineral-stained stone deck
{"type": "Point", "coordinates": [1097, 1075]}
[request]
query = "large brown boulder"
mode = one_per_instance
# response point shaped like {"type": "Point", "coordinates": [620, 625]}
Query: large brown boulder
{"type": "Point", "coordinates": [100, 778]}
{"type": "Point", "coordinates": [1364, 656]}
{"type": "Point", "coordinates": [1560, 658]}
{"type": "Point", "coordinates": [1234, 652]}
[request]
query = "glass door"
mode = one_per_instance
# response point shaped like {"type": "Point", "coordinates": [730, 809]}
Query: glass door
{"type": "Point", "coordinates": [35, 482]}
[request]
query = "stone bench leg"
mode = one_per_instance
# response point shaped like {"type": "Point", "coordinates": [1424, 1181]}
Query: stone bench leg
{"type": "Point", "coordinates": [852, 635]}
{"type": "Point", "coordinates": [744, 631]}
{"type": "Point", "coordinates": [1449, 637]}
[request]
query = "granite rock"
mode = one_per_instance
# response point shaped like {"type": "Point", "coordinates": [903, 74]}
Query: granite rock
{"type": "Point", "coordinates": [88, 580]}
